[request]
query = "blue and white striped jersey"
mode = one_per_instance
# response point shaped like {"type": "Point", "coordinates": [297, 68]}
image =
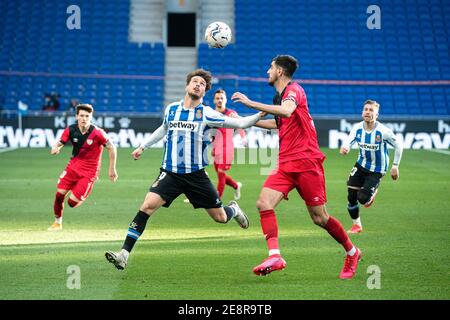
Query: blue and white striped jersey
{"type": "Point", "coordinates": [188, 136]}
{"type": "Point", "coordinates": [373, 146]}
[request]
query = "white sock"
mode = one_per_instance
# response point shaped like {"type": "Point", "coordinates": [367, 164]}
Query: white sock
{"type": "Point", "coordinates": [274, 251]}
{"type": "Point", "coordinates": [235, 212]}
{"type": "Point", "coordinates": [125, 253]}
{"type": "Point", "coordinates": [357, 221]}
{"type": "Point", "coordinates": [352, 251]}
{"type": "Point", "coordinates": [58, 220]}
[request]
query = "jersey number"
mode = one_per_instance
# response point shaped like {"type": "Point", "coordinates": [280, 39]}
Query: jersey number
{"type": "Point", "coordinates": [161, 176]}
{"type": "Point", "coordinates": [352, 173]}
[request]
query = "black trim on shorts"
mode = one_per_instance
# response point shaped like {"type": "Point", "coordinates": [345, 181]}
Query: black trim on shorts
{"type": "Point", "coordinates": [197, 187]}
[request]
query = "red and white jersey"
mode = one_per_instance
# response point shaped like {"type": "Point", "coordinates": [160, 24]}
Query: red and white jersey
{"type": "Point", "coordinates": [297, 134]}
{"type": "Point", "coordinates": [223, 145]}
{"type": "Point", "coordinates": [87, 149]}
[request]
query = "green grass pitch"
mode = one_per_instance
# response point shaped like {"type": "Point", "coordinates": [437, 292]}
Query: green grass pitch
{"type": "Point", "coordinates": [184, 254]}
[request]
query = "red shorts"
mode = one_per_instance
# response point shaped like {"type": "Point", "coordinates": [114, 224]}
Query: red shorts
{"type": "Point", "coordinates": [79, 185]}
{"type": "Point", "coordinates": [222, 166]}
{"type": "Point", "coordinates": [305, 175]}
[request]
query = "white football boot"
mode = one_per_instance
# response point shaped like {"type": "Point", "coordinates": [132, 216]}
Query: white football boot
{"type": "Point", "coordinates": [240, 217]}
{"type": "Point", "coordinates": [117, 258]}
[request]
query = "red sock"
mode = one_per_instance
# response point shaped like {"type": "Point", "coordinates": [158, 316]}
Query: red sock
{"type": "Point", "coordinates": [231, 182]}
{"type": "Point", "coordinates": [335, 229]}
{"type": "Point", "coordinates": [72, 203]}
{"type": "Point", "coordinates": [58, 204]}
{"type": "Point", "coordinates": [221, 182]}
{"type": "Point", "coordinates": [270, 228]}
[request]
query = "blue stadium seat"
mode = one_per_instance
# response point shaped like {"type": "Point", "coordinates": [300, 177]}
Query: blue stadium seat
{"type": "Point", "coordinates": [102, 49]}
{"type": "Point", "coordinates": [332, 44]}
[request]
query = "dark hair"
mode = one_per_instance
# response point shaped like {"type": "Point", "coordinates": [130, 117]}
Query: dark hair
{"type": "Point", "coordinates": [206, 75]}
{"type": "Point", "coordinates": [85, 107]}
{"type": "Point", "coordinates": [288, 63]}
{"type": "Point", "coordinates": [219, 91]}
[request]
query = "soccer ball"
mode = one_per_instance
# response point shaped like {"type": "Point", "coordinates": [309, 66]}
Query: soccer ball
{"type": "Point", "coordinates": [218, 34]}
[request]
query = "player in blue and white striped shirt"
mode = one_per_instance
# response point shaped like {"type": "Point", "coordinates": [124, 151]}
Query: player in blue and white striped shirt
{"type": "Point", "coordinates": [186, 129]}
{"type": "Point", "coordinates": [373, 139]}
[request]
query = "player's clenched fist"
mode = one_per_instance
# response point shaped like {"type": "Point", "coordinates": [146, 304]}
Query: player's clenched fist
{"type": "Point", "coordinates": [56, 148]}
{"type": "Point", "coordinates": [136, 154]}
{"type": "Point", "coordinates": [344, 150]}
{"type": "Point", "coordinates": [113, 176]}
{"type": "Point", "coordinates": [394, 172]}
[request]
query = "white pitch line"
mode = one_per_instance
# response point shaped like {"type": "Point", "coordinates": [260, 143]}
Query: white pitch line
{"type": "Point", "coordinates": [439, 151]}
{"type": "Point", "coordinates": [7, 149]}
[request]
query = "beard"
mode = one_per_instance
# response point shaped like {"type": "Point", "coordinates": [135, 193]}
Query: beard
{"type": "Point", "coordinates": [194, 96]}
{"type": "Point", "coordinates": [271, 82]}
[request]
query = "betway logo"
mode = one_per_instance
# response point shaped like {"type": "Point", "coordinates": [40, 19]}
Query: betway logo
{"type": "Point", "coordinates": [45, 137]}
{"type": "Point", "coordinates": [394, 126]}
{"type": "Point", "coordinates": [368, 146]}
{"type": "Point", "coordinates": [409, 140]}
{"type": "Point", "coordinates": [183, 125]}
{"type": "Point", "coordinates": [124, 138]}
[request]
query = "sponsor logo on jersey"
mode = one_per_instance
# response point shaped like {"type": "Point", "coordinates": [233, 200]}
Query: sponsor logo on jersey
{"type": "Point", "coordinates": [183, 125]}
{"type": "Point", "coordinates": [368, 146]}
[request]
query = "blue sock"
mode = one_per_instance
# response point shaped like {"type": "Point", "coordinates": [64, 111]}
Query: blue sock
{"type": "Point", "coordinates": [231, 212]}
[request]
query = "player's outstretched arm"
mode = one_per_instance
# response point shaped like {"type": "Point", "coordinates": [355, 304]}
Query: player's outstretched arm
{"type": "Point", "coordinates": [243, 122]}
{"type": "Point", "coordinates": [267, 124]}
{"type": "Point", "coordinates": [56, 148]}
{"type": "Point", "coordinates": [112, 151]}
{"type": "Point", "coordinates": [157, 135]}
{"type": "Point", "coordinates": [285, 110]}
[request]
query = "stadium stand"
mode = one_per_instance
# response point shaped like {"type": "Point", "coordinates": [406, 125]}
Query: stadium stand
{"type": "Point", "coordinates": [332, 42]}
{"type": "Point", "coordinates": [96, 64]}
{"type": "Point", "coordinates": [404, 65]}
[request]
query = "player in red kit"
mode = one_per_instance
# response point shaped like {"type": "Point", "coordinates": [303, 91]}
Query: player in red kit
{"type": "Point", "coordinates": [223, 147]}
{"type": "Point", "coordinates": [84, 165]}
{"type": "Point", "coordinates": [300, 166]}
